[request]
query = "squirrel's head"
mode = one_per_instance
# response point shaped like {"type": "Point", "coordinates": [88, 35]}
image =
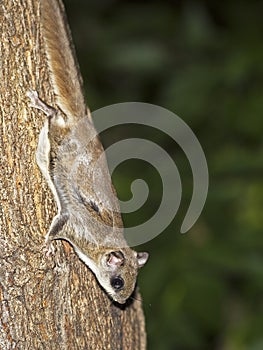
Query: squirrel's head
{"type": "Point", "coordinates": [117, 272]}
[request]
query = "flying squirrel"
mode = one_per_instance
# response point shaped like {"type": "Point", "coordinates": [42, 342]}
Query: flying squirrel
{"type": "Point", "coordinates": [72, 160]}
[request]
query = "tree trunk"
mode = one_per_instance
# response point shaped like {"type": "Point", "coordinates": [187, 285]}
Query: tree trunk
{"type": "Point", "coordinates": [45, 302]}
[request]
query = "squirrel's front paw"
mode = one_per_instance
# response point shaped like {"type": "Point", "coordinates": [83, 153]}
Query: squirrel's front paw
{"type": "Point", "coordinates": [48, 249]}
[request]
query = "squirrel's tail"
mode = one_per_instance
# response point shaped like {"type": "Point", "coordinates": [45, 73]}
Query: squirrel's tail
{"type": "Point", "coordinates": [62, 61]}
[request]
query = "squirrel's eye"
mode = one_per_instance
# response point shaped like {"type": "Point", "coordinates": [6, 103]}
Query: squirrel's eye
{"type": "Point", "coordinates": [117, 283]}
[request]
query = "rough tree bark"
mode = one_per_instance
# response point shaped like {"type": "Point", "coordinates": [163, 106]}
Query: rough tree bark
{"type": "Point", "coordinates": [44, 303]}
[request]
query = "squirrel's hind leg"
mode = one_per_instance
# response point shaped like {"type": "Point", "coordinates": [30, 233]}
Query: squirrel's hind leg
{"type": "Point", "coordinates": [39, 104]}
{"type": "Point", "coordinates": [43, 147]}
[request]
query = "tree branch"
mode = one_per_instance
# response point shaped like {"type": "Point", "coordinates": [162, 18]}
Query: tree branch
{"type": "Point", "coordinates": [45, 303]}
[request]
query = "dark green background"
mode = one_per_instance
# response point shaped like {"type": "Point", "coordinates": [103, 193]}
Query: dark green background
{"type": "Point", "coordinates": [202, 60]}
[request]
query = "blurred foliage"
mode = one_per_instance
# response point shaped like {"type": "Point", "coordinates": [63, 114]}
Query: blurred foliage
{"type": "Point", "coordinates": [203, 61]}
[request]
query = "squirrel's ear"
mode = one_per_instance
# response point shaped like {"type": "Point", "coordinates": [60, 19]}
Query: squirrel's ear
{"type": "Point", "coordinates": [142, 258]}
{"type": "Point", "coordinates": [115, 259]}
